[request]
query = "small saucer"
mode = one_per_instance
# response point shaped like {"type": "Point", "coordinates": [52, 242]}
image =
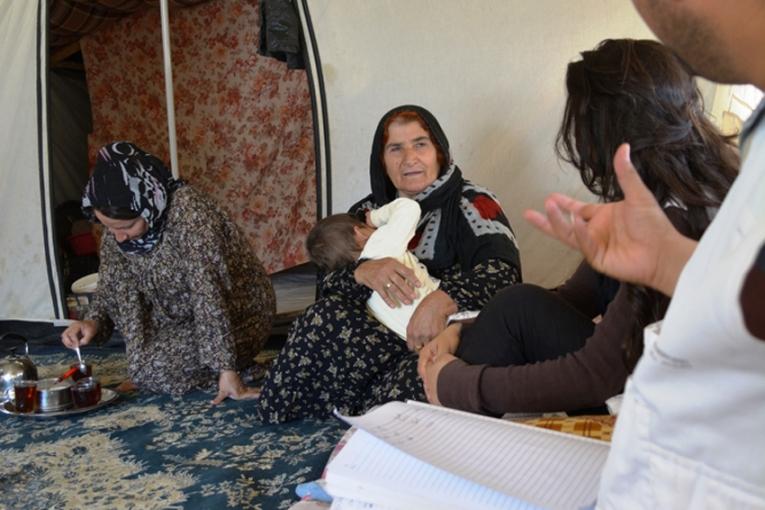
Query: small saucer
{"type": "Point", "coordinates": [107, 396]}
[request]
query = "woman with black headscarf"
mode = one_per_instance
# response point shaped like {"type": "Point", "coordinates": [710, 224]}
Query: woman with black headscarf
{"type": "Point", "coordinates": [336, 355]}
{"type": "Point", "coordinates": [177, 278]}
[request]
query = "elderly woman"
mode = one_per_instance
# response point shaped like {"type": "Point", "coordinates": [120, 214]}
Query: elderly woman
{"type": "Point", "coordinates": [537, 350]}
{"type": "Point", "coordinates": [177, 278]}
{"type": "Point", "coordinates": [336, 355]}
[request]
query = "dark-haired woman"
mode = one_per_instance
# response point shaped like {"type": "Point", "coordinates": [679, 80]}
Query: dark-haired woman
{"type": "Point", "coordinates": [532, 349]}
{"type": "Point", "coordinates": [337, 355]}
{"type": "Point", "coordinates": [177, 278]}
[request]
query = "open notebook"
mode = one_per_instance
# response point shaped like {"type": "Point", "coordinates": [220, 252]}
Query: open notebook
{"type": "Point", "coordinates": [417, 456]}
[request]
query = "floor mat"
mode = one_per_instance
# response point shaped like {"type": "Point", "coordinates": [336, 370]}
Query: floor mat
{"type": "Point", "coordinates": [155, 451]}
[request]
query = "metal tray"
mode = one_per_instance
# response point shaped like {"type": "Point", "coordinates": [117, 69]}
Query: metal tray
{"type": "Point", "coordinates": [107, 396]}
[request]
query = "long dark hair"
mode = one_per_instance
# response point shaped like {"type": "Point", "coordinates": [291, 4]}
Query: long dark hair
{"type": "Point", "coordinates": [638, 91]}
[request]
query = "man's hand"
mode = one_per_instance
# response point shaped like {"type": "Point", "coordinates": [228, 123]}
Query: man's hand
{"type": "Point", "coordinates": [231, 386]}
{"type": "Point", "coordinates": [79, 333]}
{"type": "Point", "coordinates": [631, 240]}
{"type": "Point", "coordinates": [429, 319]}
{"type": "Point", "coordinates": [395, 282]}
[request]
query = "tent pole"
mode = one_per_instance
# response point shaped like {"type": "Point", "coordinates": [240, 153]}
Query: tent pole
{"type": "Point", "coordinates": [169, 87]}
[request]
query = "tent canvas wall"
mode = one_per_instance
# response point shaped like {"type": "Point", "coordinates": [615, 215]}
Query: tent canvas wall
{"type": "Point", "coordinates": [28, 271]}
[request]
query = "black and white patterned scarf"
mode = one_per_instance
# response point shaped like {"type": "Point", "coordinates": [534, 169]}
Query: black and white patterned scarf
{"type": "Point", "coordinates": [127, 178]}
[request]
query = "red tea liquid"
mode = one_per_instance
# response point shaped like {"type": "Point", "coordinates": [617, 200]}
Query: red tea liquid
{"type": "Point", "coordinates": [26, 397]}
{"type": "Point", "coordinates": [86, 393]}
{"type": "Point", "coordinates": [79, 374]}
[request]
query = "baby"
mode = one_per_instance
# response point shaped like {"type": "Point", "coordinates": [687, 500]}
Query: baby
{"type": "Point", "coordinates": [341, 239]}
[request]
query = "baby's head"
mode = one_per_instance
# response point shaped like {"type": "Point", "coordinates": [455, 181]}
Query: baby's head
{"type": "Point", "coordinates": [337, 241]}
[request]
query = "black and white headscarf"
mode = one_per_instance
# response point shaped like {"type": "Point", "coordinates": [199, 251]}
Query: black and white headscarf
{"type": "Point", "coordinates": [127, 178]}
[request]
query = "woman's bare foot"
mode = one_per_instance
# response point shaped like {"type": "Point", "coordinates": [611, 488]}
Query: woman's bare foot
{"type": "Point", "coordinates": [126, 386]}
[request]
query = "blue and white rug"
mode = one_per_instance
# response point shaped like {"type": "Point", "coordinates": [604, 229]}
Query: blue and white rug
{"type": "Point", "coordinates": [149, 452]}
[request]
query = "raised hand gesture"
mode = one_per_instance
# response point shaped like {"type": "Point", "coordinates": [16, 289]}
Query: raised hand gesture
{"type": "Point", "coordinates": [631, 240]}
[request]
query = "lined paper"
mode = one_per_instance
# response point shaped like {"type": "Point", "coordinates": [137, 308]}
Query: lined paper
{"type": "Point", "coordinates": [544, 468]}
{"type": "Point", "coordinates": [368, 469]}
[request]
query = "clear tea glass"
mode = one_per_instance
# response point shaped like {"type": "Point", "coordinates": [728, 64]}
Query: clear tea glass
{"type": "Point", "coordinates": [79, 374]}
{"type": "Point", "coordinates": [86, 392]}
{"type": "Point", "coordinates": [25, 395]}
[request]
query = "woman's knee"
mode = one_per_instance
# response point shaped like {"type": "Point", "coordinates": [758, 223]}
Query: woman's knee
{"type": "Point", "coordinates": [517, 297]}
{"type": "Point", "coordinates": [499, 335]}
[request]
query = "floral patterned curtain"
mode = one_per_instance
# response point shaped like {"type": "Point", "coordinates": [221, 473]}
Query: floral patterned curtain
{"type": "Point", "coordinates": [243, 121]}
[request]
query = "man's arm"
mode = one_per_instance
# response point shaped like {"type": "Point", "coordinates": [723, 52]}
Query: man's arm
{"type": "Point", "coordinates": [753, 296]}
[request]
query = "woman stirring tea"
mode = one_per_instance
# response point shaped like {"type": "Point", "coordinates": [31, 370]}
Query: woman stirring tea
{"type": "Point", "coordinates": [177, 278]}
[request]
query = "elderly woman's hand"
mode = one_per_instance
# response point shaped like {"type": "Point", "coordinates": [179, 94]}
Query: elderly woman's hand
{"type": "Point", "coordinates": [429, 319]}
{"type": "Point", "coordinates": [395, 282]}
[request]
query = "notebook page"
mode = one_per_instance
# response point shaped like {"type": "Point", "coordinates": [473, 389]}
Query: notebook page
{"type": "Point", "coordinates": [548, 469]}
{"type": "Point", "coordinates": [371, 471]}
{"type": "Point", "coordinates": [353, 504]}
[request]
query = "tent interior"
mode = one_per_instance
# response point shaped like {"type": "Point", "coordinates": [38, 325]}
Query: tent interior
{"type": "Point", "coordinates": [279, 147]}
{"type": "Point", "coordinates": [244, 126]}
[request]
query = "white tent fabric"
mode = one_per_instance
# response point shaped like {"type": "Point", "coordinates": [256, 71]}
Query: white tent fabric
{"type": "Point", "coordinates": [29, 287]}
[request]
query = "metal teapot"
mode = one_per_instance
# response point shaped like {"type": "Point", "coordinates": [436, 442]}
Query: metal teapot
{"type": "Point", "coordinates": [15, 367]}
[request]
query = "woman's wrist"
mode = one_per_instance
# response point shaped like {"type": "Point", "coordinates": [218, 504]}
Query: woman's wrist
{"type": "Point", "coordinates": [451, 337]}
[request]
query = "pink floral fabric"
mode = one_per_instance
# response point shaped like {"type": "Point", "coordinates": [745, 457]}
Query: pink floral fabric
{"type": "Point", "coordinates": [243, 121]}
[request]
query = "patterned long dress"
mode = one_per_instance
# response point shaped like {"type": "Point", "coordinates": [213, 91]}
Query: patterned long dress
{"type": "Point", "coordinates": [338, 356]}
{"type": "Point", "coordinates": [198, 303]}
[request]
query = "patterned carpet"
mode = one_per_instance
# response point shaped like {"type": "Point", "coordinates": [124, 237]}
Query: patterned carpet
{"type": "Point", "coordinates": [149, 451]}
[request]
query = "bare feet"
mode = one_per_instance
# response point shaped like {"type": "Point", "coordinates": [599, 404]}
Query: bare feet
{"type": "Point", "coordinates": [126, 386]}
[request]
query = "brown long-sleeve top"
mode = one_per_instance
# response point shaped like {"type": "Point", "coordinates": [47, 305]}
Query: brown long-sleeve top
{"type": "Point", "coordinates": [580, 379]}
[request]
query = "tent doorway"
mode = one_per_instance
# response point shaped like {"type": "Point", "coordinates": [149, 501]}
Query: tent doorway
{"type": "Point", "coordinates": [246, 123]}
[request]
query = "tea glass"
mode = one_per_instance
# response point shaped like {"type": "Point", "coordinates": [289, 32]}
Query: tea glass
{"type": "Point", "coordinates": [86, 392]}
{"type": "Point", "coordinates": [25, 395]}
{"type": "Point", "coordinates": [79, 374]}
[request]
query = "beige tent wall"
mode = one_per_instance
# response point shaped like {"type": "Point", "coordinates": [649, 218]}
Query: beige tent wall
{"type": "Point", "coordinates": [491, 71]}
{"type": "Point", "coordinates": [28, 273]}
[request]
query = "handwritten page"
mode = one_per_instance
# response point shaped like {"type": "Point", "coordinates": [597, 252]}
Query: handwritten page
{"type": "Point", "coordinates": [379, 476]}
{"type": "Point", "coordinates": [544, 468]}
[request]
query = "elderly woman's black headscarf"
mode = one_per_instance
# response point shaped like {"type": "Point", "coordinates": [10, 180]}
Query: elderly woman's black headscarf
{"type": "Point", "coordinates": [129, 180]}
{"type": "Point", "coordinates": [382, 187]}
{"type": "Point", "coordinates": [460, 221]}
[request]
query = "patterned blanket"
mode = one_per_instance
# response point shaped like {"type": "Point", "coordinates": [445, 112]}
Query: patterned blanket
{"type": "Point", "coordinates": [148, 451]}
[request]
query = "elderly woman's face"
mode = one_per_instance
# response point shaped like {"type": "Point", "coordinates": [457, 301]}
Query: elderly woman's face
{"type": "Point", "coordinates": [410, 158]}
{"type": "Point", "coordinates": [124, 230]}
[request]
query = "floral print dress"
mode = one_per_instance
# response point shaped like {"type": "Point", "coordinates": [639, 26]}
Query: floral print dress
{"type": "Point", "coordinates": [199, 302]}
{"type": "Point", "coordinates": [339, 356]}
